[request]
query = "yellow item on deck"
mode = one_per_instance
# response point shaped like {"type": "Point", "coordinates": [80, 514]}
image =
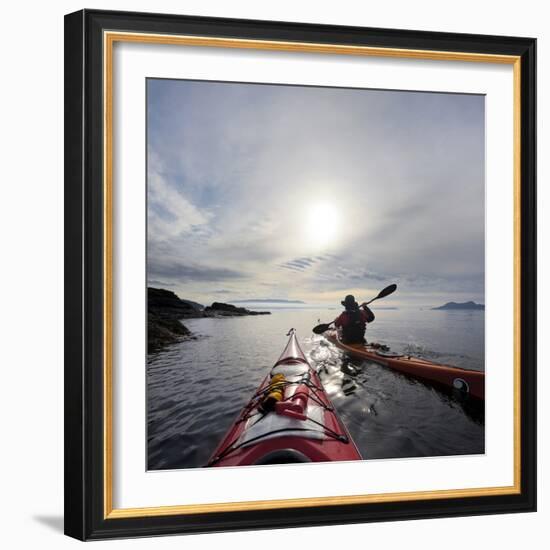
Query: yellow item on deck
{"type": "Point", "coordinates": [274, 392]}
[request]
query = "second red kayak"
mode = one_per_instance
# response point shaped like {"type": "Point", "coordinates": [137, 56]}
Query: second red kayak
{"type": "Point", "coordinates": [469, 382]}
{"type": "Point", "coordinates": [289, 419]}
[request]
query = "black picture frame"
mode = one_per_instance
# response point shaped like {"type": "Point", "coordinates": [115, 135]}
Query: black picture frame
{"type": "Point", "coordinates": [85, 517]}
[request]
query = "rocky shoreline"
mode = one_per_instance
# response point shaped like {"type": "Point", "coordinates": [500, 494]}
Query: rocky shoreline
{"type": "Point", "coordinates": [165, 310]}
{"type": "Point", "coordinates": [161, 332]}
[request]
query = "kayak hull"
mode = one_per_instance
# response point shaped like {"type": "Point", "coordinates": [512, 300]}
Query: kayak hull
{"type": "Point", "coordinates": [303, 428]}
{"type": "Point", "coordinates": [467, 381]}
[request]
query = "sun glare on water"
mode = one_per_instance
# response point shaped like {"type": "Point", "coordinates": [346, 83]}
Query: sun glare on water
{"type": "Point", "coordinates": [321, 224]}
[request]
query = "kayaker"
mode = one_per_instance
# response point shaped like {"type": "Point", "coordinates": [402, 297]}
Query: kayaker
{"type": "Point", "coordinates": [353, 321]}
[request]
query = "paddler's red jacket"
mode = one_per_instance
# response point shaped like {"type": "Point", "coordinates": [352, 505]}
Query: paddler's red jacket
{"type": "Point", "coordinates": [353, 324]}
{"type": "Point", "coordinates": [344, 318]}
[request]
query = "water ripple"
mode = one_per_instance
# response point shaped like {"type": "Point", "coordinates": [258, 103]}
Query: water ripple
{"type": "Point", "coordinates": [196, 388]}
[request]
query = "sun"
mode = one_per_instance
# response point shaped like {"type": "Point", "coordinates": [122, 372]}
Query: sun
{"type": "Point", "coordinates": [321, 224]}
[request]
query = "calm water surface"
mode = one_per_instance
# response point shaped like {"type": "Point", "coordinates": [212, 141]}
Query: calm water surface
{"type": "Point", "coordinates": [196, 388]}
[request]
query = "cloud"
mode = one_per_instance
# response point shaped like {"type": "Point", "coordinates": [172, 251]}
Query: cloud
{"type": "Point", "coordinates": [181, 272]}
{"type": "Point", "coordinates": [155, 283]}
{"type": "Point", "coordinates": [170, 213]}
{"type": "Point", "coordinates": [299, 264]}
{"type": "Point", "coordinates": [234, 170]}
{"type": "Point", "coordinates": [293, 267]}
{"type": "Point", "coordinates": [368, 276]}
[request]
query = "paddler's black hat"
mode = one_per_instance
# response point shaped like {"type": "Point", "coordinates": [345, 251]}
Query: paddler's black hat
{"type": "Point", "coordinates": [349, 302]}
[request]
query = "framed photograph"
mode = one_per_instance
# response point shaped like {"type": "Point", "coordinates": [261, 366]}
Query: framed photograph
{"type": "Point", "coordinates": [300, 274]}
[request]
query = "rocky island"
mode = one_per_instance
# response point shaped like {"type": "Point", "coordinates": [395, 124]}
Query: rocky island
{"type": "Point", "coordinates": [165, 309]}
{"type": "Point", "coordinates": [219, 309]}
{"type": "Point", "coordinates": [464, 305]}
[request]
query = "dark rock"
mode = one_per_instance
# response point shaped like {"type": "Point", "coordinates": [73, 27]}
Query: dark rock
{"type": "Point", "coordinates": [167, 305]}
{"type": "Point", "coordinates": [164, 309]}
{"type": "Point", "coordinates": [163, 331]}
{"type": "Point", "coordinates": [195, 305]}
{"type": "Point", "coordinates": [225, 307]}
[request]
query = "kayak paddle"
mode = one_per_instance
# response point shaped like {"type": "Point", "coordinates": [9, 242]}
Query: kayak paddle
{"type": "Point", "coordinates": [323, 327]}
{"type": "Point", "coordinates": [382, 294]}
{"type": "Point", "coordinates": [319, 329]}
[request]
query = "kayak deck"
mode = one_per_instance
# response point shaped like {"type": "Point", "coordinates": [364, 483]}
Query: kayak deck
{"type": "Point", "coordinates": [468, 382]}
{"type": "Point", "coordinates": [302, 427]}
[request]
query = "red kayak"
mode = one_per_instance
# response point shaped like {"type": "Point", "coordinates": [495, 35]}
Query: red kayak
{"type": "Point", "coordinates": [289, 419]}
{"type": "Point", "coordinates": [469, 382]}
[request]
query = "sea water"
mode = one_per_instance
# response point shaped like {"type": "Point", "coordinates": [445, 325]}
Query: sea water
{"type": "Point", "coordinates": [197, 387]}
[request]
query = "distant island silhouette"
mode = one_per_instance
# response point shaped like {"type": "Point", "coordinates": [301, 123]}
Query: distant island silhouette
{"type": "Point", "coordinates": [267, 301]}
{"type": "Point", "coordinates": [464, 305]}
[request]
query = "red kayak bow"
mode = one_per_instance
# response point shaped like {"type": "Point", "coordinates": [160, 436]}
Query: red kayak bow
{"type": "Point", "coordinates": [289, 419]}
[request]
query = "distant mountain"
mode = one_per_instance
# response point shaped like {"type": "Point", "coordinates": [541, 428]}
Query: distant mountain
{"type": "Point", "coordinates": [268, 301]}
{"type": "Point", "coordinates": [219, 309]}
{"type": "Point", "coordinates": [464, 305]}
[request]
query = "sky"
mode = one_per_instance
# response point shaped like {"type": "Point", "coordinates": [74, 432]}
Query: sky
{"type": "Point", "coordinates": [308, 193]}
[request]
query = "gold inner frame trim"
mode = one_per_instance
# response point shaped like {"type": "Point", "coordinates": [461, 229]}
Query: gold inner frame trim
{"type": "Point", "coordinates": [109, 39]}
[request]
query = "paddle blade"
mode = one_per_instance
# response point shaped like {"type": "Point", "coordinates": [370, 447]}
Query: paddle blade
{"type": "Point", "coordinates": [387, 291]}
{"type": "Point", "coordinates": [319, 329]}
